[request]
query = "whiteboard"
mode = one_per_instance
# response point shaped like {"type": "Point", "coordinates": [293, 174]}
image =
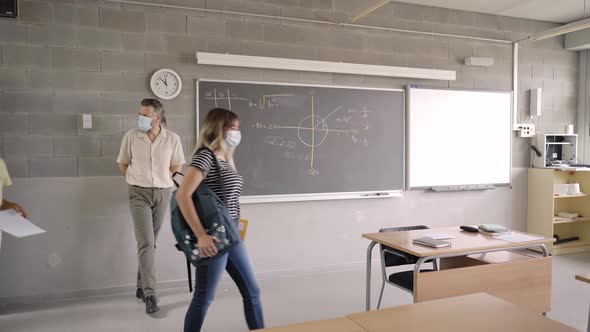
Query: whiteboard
{"type": "Point", "coordinates": [458, 137]}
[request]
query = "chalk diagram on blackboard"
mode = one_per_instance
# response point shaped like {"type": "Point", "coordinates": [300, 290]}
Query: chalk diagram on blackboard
{"type": "Point", "coordinates": [312, 130]}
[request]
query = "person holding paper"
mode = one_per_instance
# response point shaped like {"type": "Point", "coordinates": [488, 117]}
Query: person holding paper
{"type": "Point", "coordinates": [149, 155]}
{"type": "Point", "coordinates": [5, 182]}
{"type": "Point", "coordinates": [4, 204]}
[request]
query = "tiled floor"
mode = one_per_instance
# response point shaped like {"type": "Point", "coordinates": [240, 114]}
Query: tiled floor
{"type": "Point", "coordinates": [286, 300]}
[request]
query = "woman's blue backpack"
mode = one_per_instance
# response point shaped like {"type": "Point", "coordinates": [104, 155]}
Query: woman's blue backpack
{"type": "Point", "coordinates": [215, 218]}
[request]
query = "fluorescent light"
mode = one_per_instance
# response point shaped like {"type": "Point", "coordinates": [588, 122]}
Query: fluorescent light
{"type": "Point", "coordinates": [567, 28]}
{"type": "Point", "coordinates": [233, 60]}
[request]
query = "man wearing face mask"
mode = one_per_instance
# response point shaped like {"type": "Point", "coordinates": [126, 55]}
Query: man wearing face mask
{"type": "Point", "coordinates": [149, 155]}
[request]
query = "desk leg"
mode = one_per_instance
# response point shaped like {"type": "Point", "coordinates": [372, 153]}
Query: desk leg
{"type": "Point", "coordinates": [369, 258]}
{"type": "Point", "coordinates": [416, 271]}
{"type": "Point", "coordinates": [588, 328]}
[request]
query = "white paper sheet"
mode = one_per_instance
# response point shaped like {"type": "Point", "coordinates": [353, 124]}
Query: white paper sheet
{"type": "Point", "coordinates": [14, 224]}
{"type": "Point", "coordinates": [517, 237]}
{"type": "Point", "coordinates": [440, 236]}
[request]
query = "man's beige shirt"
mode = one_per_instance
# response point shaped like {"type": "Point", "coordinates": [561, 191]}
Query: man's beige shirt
{"type": "Point", "coordinates": [149, 163]}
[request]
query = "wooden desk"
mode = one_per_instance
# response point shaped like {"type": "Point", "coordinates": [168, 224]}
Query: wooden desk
{"type": "Point", "coordinates": [585, 278]}
{"type": "Point", "coordinates": [509, 279]}
{"type": "Point", "coordinates": [474, 313]}
{"type": "Point", "coordinates": [462, 243]}
{"type": "Point", "coordinates": [331, 325]}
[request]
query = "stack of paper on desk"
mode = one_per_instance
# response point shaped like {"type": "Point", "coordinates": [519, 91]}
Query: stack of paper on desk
{"type": "Point", "coordinates": [517, 237]}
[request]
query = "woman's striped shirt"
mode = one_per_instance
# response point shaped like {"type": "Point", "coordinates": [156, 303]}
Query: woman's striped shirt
{"type": "Point", "coordinates": [232, 181]}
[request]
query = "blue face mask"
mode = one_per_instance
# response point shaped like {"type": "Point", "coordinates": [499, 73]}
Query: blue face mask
{"type": "Point", "coordinates": [233, 138]}
{"type": "Point", "coordinates": [144, 123]}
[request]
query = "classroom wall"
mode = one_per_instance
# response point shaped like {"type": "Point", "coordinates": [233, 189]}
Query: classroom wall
{"type": "Point", "coordinates": [67, 57]}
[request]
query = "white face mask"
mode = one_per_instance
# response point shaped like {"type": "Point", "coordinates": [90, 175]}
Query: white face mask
{"type": "Point", "coordinates": [233, 138]}
{"type": "Point", "coordinates": [144, 123]}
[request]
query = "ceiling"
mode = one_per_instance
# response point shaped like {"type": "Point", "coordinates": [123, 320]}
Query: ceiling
{"type": "Point", "coordinates": [559, 11]}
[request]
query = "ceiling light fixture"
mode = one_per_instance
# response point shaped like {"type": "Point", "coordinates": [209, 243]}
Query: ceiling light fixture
{"type": "Point", "coordinates": [234, 60]}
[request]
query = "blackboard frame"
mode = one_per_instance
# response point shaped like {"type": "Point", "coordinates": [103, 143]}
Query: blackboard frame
{"type": "Point", "coordinates": [393, 193]}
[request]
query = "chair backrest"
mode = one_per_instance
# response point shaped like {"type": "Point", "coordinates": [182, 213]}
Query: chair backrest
{"type": "Point", "coordinates": [394, 260]}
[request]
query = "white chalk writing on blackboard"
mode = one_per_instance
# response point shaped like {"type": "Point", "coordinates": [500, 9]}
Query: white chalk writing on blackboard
{"type": "Point", "coordinates": [312, 130]}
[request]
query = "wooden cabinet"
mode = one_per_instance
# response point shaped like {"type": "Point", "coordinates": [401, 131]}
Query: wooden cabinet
{"type": "Point", "coordinates": [543, 206]}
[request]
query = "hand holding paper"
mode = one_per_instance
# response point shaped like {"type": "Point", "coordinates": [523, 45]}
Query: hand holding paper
{"type": "Point", "coordinates": [16, 225]}
{"type": "Point", "coordinates": [10, 205]}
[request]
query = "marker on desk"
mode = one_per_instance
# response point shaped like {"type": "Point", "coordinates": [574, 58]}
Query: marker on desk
{"type": "Point", "coordinates": [376, 194]}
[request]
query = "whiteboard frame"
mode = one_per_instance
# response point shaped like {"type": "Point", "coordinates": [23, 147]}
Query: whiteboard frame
{"type": "Point", "coordinates": [380, 194]}
{"type": "Point", "coordinates": [408, 143]}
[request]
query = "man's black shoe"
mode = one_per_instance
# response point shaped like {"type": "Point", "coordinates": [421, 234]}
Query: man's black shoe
{"type": "Point", "coordinates": [151, 305]}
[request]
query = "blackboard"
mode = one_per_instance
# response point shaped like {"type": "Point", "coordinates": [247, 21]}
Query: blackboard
{"type": "Point", "coordinates": [305, 141]}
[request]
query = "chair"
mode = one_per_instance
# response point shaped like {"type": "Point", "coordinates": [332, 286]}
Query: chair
{"type": "Point", "coordinates": [392, 257]}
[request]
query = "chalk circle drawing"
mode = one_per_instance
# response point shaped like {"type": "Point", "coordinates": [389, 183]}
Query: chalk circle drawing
{"type": "Point", "coordinates": [312, 126]}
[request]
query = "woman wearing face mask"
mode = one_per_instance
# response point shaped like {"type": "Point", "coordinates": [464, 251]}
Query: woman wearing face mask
{"type": "Point", "coordinates": [220, 133]}
{"type": "Point", "coordinates": [149, 155]}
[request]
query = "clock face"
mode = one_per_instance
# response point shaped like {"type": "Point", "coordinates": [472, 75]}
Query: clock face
{"type": "Point", "coordinates": [166, 84]}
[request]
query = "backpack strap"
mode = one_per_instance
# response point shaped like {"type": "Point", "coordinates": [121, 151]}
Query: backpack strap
{"type": "Point", "coordinates": [189, 271]}
{"type": "Point", "coordinates": [216, 162]}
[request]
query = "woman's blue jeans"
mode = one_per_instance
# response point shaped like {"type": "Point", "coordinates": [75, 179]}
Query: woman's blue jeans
{"type": "Point", "coordinates": [238, 265]}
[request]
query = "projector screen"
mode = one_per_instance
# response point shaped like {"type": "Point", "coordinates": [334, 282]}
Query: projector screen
{"type": "Point", "coordinates": [458, 137]}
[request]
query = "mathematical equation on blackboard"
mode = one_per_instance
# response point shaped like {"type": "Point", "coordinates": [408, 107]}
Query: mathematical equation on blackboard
{"type": "Point", "coordinates": [300, 140]}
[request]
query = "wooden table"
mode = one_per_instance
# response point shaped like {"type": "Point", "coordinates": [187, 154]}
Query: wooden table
{"type": "Point", "coordinates": [465, 271]}
{"type": "Point", "coordinates": [474, 313]}
{"type": "Point", "coordinates": [585, 278]}
{"type": "Point", "coordinates": [331, 325]}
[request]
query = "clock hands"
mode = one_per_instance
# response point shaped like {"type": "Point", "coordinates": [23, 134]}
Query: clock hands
{"type": "Point", "coordinates": [160, 85]}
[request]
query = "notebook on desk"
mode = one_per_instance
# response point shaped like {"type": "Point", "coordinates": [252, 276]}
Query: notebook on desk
{"type": "Point", "coordinates": [493, 228]}
{"type": "Point", "coordinates": [430, 242]}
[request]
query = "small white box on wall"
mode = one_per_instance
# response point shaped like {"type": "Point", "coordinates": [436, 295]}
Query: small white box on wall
{"type": "Point", "coordinates": [479, 61]}
{"type": "Point", "coordinates": [536, 101]}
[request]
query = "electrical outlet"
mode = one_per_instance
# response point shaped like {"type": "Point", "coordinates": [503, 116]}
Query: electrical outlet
{"type": "Point", "coordinates": [86, 121]}
{"type": "Point", "coordinates": [527, 130]}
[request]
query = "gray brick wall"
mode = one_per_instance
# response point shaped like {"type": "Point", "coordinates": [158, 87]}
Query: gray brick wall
{"type": "Point", "coordinates": [122, 20]}
{"type": "Point", "coordinates": [65, 58]}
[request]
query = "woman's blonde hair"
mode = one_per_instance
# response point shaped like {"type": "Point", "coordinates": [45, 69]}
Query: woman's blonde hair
{"type": "Point", "coordinates": [216, 122]}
